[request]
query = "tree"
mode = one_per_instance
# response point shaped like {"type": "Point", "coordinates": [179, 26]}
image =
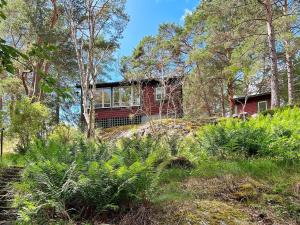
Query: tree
{"type": "Point", "coordinates": [95, 28]}
{"type": "Point", "coordinates": [288, 35]}
{"type": "Point", "coordinates": [269, 15]}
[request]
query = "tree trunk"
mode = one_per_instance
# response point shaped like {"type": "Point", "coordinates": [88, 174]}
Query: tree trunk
{"type": "Point", "coordinates": [230, 93]}
{"type": "Point", "coordinates": [57, 103]}
{"type": "Point", "coordinates": [91, 129]}
{"type": "Point", "coordinates": [288, 60]}
{"type": "Point", "coordinates": [290, 77]}
{"type": "Point", "coordinates": [1, 102]}
{"type": "Point", "coordinates": [272, 54]}
{"type": "Point", "coordinates": [91, 73]}
{"type": "Point", "coordinates": [223, 100]}
{"type": "Point", "coordinates": [204, 94]}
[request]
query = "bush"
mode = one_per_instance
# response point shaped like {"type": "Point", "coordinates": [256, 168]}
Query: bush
{"type": "Point", "coordinates": [276, 136]}
{"type": "Point", "coordinates": [233, 137]}
{"type": "Point", "coordinates": [73, 177]}
{"type": "Point", "coordinates": [27, 120]}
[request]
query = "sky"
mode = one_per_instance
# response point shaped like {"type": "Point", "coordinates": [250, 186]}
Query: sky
{"type": "Point", "coordinates": [145, 18]}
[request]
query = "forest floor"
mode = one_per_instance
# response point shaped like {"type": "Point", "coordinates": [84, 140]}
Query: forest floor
{"type": "Point", "coordinates": [213, 192]}
{"type": "Point", "coordinates": [234, 194]}
{"type": "Point", "coordinates": [254, 191]}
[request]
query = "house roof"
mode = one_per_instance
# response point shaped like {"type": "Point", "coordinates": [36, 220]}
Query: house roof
{"type": "Point", "coordinates": [241, 98]}
{"type": "Point", "coordinates": [130, 82]}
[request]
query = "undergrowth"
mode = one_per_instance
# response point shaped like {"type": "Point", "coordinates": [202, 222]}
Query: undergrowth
{"type": "Point", "coordinates": [69, 178]}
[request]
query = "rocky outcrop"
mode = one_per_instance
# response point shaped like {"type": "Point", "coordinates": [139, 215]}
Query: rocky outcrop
{"type": "Point", "coordinates": [166, 127]}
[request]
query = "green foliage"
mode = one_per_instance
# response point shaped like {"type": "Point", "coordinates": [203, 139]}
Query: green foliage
{"type": "Point", "coordinates": [276, 136]}
{"type": "Point", "coordinates": [69, 176]}
{"type": "Point", "coordinates": [27, 120]}
{"type": "Point", "coordinates": [7, 53]}
{"type": "Point", "coordinates": [11, 159]}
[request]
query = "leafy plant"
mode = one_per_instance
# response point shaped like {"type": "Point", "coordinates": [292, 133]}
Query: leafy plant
{"type": "Point", "coordinates": [276, 136]}
{"type": "Point", "coordinates": [70, 177]}
{"type": "Point", "coordinates": [27, 120]}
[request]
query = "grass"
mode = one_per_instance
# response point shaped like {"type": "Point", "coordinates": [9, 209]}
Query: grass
{"type": "Point", "coordinates": [12, 159]}
{"type": "Point", "coordinates": [256, 187]}
{"type": "Point", "coordinates": [266, 169]}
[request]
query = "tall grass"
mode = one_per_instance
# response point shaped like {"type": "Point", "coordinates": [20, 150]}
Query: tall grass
{"type": "Point", "coordinates": [12, 159]}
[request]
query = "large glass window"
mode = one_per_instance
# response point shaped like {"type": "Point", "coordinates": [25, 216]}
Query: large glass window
{"type": "Point", "coordinates": [106, 92]}
{"type": "Point", "coordinates": [98, 98]}
{"type": "Point", "coordinates": [126, 96]}
{"type": "Point", "coordinates": [136, 96]}
{"type": "Point", "coordinates": [116, 94]}
{"type": "Point", "coordinates": [103, 98]}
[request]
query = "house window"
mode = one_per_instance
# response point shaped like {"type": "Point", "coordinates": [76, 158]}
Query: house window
{"type": "Point", "coordinates": [106, 95]}
{"type": "Point", "coordinates": [136, 95]}
{"type": "Point", "coordinates": [116, 97]}
{"type": "Point", "coordinates": [103, 98]}
{"type": "Point", "coordinates": [160, 93]}
{"type": "Point", "coordinates": [262, 106]}
{"type": "Point", "coordinates": [126, 96]}
{"type": "Point", "coordinates": [98, 98]}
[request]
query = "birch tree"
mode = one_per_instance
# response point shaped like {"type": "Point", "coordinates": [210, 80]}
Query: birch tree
{"type": "Point", "coordinates": [95, 28]}
{"type": "Point", "coordinates": [269, 17]}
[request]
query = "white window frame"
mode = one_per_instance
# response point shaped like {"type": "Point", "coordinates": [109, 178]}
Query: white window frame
{"type": "Point", "coordinates": [102, 99]}
{"type": "Point", "coordinates": [131, 97]}
{"type": "Point", "coordinates": [120, 96]}
{"type": "Point", "coordinates": [139, 90]}
{"type": "Point", "coordinates": [163, 93]}
{"type": "Point", "coordinates": [113, 98]}
{"type": "Point", "coordinates": [258, 103]}
{"type": "Point", "coordinates": [110, 103]}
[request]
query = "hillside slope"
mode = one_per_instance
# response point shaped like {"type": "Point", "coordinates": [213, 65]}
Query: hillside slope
{"type": "Point", "coordinates": [235, 194]}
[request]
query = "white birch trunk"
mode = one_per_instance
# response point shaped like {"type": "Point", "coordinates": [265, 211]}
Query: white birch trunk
{"type": "Point", "coordinates": [272, 53]}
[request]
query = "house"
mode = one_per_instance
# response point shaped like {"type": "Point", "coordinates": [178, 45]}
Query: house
{"type": "Point", "coordinates": [135, 102]}
{"type": "Point", "coordinates": [252, 104]}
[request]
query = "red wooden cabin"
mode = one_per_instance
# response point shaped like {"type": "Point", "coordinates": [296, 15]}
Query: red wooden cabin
{"type": "Point", "coordinates": [252, 104]}
{"type": "Point", "coordinates": [134, 102]}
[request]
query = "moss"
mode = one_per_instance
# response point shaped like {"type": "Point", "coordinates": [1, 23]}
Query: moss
{"type": "Point", "coordinates": [218, 212]}
{"type": "Point", "coordinates": [248, 190]}
{"type": "Point", "coordinates": [206, 212]}
{"type": "Point", "coordinates": [272, 199]}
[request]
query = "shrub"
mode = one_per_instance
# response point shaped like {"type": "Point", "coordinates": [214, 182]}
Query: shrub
{"type": "Point", "coordinates": [232, 137]}
{"type": "Point", "coordinates": [70, 178]}
{"type": "Point", "coordinates": [26, 121]}
{"type": "Point", "coordinates": [276, 136]}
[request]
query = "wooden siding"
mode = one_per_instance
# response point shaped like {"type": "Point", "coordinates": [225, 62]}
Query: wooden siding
{"type": "Point", "coordinates": [252, 104]}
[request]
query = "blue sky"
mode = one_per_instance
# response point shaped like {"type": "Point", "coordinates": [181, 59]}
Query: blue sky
{"type": "Point", "coordinates": [145, 18]}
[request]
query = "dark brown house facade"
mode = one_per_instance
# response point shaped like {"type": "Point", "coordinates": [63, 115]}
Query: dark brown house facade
{"type": "Point", "coordinates": [252, 104]}
{"type": "Point", "coordinates": [135, 102]}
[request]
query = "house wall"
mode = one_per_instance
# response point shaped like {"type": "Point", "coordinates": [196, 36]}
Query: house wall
{"type": "Point", "coordinates": [252, 104]}
{"type": "Point", "coordinates": [106, 113]}
{"type": "Point", "coordinates": [172, 105]}
{"type": "Point", "coordinates": [149, 106]}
